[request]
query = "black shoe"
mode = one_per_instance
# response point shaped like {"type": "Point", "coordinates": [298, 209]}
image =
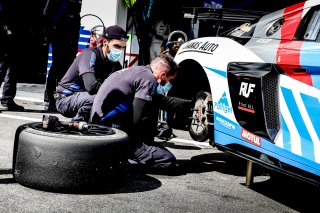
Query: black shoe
{"type": "Point", "coordinates": [11, 106]}
{"type": "Point", "coordinates": [164, 132]}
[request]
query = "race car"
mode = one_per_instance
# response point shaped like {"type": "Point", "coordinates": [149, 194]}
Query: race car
{"type": "Point", "coordinates": [258, 90]}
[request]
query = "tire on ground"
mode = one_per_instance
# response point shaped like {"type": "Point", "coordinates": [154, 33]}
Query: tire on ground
{"type": "Point", "coordinates": [57, 161]}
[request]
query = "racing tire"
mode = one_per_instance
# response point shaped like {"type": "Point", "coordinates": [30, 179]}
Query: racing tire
{"type": "Point", "coordinates": [198, 129]}
{"type": "Point", "coordinates": [67, 162]}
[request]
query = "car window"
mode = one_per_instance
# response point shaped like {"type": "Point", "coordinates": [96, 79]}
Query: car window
{"type": "Point", "coordinates": [312, 32]}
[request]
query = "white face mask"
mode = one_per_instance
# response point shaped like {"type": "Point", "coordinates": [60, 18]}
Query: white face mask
{"type": "Point", "coordinates": [164, 89]}
{"type": "Point", "coordinates": [114, 55]}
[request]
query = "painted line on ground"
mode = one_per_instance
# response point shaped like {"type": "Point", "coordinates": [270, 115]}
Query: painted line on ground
{"type": "Point", "coordinates": [29, 99]}
{"type": "Point", "coordinates": [19, 117]}
{"type": "Point", "coordinates": [25, 98]}
{"type": "Point", "coordinates": [202, 145]}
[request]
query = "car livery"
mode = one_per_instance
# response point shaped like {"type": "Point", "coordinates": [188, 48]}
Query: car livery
{"type": "Point", "coordinates": [264, 85]}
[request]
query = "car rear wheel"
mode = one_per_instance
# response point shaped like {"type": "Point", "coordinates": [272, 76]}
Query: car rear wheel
{"type": "Point", "coordinates": [67, 161]}
{"type": "Point", "coordinates": [201, 117]}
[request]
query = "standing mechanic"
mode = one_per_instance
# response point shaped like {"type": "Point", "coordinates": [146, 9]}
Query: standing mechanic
{"type": "Point", "coordinates": [8, 57]}
{"type": "Point", "coordinates": [128, 100]}
{"type": "Point", "coordinates": [76, 91]}
{"type": "Point", "coordinates": [62, 32]}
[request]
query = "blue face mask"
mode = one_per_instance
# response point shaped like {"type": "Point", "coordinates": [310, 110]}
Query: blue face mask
{"type": "Point", "coordinates": [114, 55]}
{"type": "Point", "coordinates": [163, 89]}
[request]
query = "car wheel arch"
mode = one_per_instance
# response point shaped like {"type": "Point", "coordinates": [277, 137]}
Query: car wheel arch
{"type": "Point", "coordinates": [191, 79]}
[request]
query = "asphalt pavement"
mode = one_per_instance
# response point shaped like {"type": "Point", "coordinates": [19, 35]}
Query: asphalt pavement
{"type": "Point", "coordinates": [208, 180]}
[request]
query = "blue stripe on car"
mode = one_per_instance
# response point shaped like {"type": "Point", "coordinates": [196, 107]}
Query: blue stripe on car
{"type": "Point", "coordinates": [312, 107]}
{"type": "Point", "coordinates": [219, 72]}
{"type": "Point", "coordinates": [285, 135]}
{"type": "Point", "coordinates": [306, 142]}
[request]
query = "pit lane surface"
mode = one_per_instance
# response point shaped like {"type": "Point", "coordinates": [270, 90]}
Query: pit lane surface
{"type": "Point", "coordinates": [207, 181]}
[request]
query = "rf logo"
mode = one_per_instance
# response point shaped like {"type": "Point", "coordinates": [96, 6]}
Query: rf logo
{"type": "Point", "coordinates": [246, 89]}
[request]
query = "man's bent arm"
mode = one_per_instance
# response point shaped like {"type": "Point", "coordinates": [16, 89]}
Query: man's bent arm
{"type": "Point", "coordinates": [90, 83]}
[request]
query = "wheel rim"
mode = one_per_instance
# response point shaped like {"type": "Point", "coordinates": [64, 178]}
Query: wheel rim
{"type": "Point", "coordinates": [199, 119]}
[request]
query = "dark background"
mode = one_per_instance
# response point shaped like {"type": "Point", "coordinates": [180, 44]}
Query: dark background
{"type": "Point", "coordinates": [172, 12]}
{"type": "Point", "coordinates": [30, 43]}
{"type": "Point", "coordinates": [29, 22]}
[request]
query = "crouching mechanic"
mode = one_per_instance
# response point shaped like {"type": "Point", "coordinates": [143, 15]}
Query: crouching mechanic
{"type": "Point", "coordinates": [127, 100]}
{"type": "Point", "coordinates": [76, 90]}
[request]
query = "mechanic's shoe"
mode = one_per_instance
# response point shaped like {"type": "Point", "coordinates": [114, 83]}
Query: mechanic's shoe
{"type": "Point", "coordinates": [50, 107]}
{"type": "Point", "coordinates": [164, 132]}
{"type": "Point", "coordinates": [11, 106]}
{"type": "Point", "coordinates": [166, 137]}
{"type": "Point", "coordinates": [133, 161]}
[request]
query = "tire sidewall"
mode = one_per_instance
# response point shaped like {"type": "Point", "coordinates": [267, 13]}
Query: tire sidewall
{"type": "Point", "coordinates": [55, 161]}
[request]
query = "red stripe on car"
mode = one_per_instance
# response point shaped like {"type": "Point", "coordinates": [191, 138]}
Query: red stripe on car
{"type": "Point", "coordinates": [288, 54]}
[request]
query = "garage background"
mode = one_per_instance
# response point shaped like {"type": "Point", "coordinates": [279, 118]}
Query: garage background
{"type": "Point", "coordinates": [33, 61]}
{"type": "Point", "coordinates": [206, 22]}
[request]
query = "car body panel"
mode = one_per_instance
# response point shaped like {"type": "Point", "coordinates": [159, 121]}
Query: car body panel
{"type": "Point", "coordinates": [297, 67]}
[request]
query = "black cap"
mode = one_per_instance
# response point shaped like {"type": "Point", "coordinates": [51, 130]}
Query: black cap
{"type": "Point", "coordinates": [115, 32]}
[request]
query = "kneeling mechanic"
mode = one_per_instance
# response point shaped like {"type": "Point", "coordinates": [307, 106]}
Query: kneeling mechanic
{"type": "Point", "coordinates": [77, 89]}
{"type": "Point", "coordinates": [127, 100]}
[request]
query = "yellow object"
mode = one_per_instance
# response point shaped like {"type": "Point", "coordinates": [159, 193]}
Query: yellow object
{"type": "Point", "coordinates": [129, 3]}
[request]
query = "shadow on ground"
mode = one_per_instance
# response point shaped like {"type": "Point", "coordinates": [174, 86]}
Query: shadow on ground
{"type": "Point", "coordinates": [130, 182]}
{"type": "Point", "coordinates": [138, 179]}
{"type": "Point", "coordinates": [291, 192]}
{"type": "Point", "coordinates": [220, 162]}
{"type": "Point", "coordinates": [288, 191]}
